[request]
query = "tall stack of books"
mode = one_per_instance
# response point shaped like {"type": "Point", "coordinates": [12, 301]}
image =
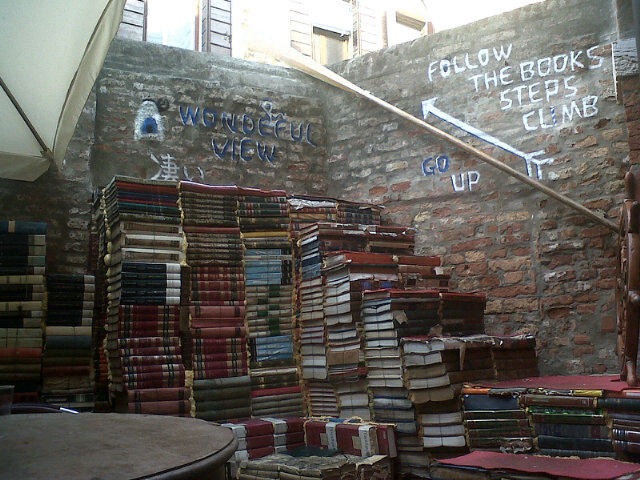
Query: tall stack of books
{"type": "Point", "coordinates": [67, 376]}
{"type": "Point", "coordinates": [347, 275]}
{"type": "Point", "coordinates": [264, 221]}
{"type": "Point", "coordinates": [385, 323]}
{"type": "Point", "coordinates": [217, 332]}
{"type": "Point", "coordinates": [95, 265]}
{"type": "Point", "coordinates": [145, 251]}
{"type": "Point", "coordinates": [22, 305]}
{"type": "Point", "coordinates": [568, 423]}
{"type": "Point", "coordinates": [495, 420]}
{"type": "Point", "coordinates": [622, 410]}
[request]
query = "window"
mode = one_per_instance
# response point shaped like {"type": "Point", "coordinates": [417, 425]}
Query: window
{"type": "Point", "coordinates": [329, 47]}
{"type": "Point", "coordinates": [172, 22]}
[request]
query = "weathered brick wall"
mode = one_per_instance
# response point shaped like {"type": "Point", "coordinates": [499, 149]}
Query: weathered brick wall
{"type": "Point", "coordinates": [220, 120]}
{"type": "Point", "coordinates": [538, 79]}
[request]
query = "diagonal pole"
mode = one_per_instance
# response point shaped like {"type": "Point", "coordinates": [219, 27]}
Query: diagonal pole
{"type": "Point", "coordinates": [46, 152]}
{"type": "Point", "coordinates": [308, 66]}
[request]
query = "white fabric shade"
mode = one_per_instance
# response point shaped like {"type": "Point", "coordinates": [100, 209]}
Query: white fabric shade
{"type": "Point", "coordinates": [51, 54]}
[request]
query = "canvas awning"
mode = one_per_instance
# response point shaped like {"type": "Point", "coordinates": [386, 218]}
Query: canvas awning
{"type": "Point", "coordinates": [52, 52]}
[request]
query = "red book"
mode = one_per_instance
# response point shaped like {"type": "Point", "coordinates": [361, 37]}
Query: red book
{"type": "Point", "coordinates": [266, 392]}
{"type": "Point", "coordinates": [198, 294]}
{"type": "Point", "coordinates": [149, 351]}
{"type": "Point", "coordinates": [219, 285]}
{"type": "Point", "coordinates": [260, 441]}
{"type": "Point", "coordinates": [159, 369]}
{"type": "Point", "coordinates": [168, 407]}
{"type": "Point", "coordinates": [261, 452]}
{"type": "Point", "coordinates": [145, 342]}
{"type": "Point", "coordinates": [159, 394]}
{"type": "Point", "coordinates": [213, 332]}
{"type": "Point", "coordinates": [216, 311]}
{"type": "Point", "coordinates": [199, 322]}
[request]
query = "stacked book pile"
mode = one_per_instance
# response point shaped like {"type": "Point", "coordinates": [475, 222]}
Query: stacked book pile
{"type": "Point", "coordinates": [495, 420]}
{"type": "Point", "coordinates": [385, 322]}
{"type": "Point", "coordinates": [276, 392]}
{"type": "Point", "coordinates": [417, 272]}
{"type": "Point", "coordinates": [358, 213]}
{"type": "Point", "coordinates": [435, 369]}
{"type": "Point", "coordinates": [515, 357]}
{"type": "Point", "coordinates": [95, 266]}
{"type": "Point", "coordinates": [145, 251]}
{"type": "Point", "coordinates": [264, 221]}
{"type": "Point", "coordinates": [483, 465]}
{"type": "Point", "coordinates": [622, 410]}
{"type": "Point", "coordinates": [217, 337]}
{"type": "Point", "coordinates": [462, 313]}
{"type": "Point", "coordinates": [259, 437]}
{"type": "Point", "coordinates": [22, 305]}
{"type": "Point", "coordinates": [361, 438]}
{"type": "Point", "coordinates": [220, 399]}
{"type": "Point", "coordinates": [321, 398]}
{"type": "Point", "coordinates": [347, 275]}
{"type": "Point", "coordinates": [305, 210]}
{"type": "Point", "coordinates": [568, 423]}
{"type": "Point", "coordinates": [67, 376]}
{"type": "Point", "coordinates": [335, 467]}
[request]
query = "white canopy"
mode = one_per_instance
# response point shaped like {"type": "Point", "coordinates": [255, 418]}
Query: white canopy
{"type": "Point", "coordinates": [51, 54]}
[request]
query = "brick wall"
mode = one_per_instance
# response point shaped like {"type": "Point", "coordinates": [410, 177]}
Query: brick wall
{"type": "Point", "coordinates": [158, 112]}
{"type": "Point", "coordinates": [538, 79]}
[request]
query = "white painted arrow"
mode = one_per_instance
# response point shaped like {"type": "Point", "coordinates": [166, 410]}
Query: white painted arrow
{"type": "Point", "coordinates": [429, 107]}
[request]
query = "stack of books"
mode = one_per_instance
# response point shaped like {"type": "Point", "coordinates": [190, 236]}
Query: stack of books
{"type": "Point", "coordinates": [347, 275]}
{"type": "Point", "coordinates": [495, 420]}
{"type": "Point", "coordinates": [222, 399]}
{"type": "Point", "coordinates": [358, 213]}
{"type": "Point", "coordinates": [217, 338]}
{"type": "Point", "coordinates": [321, 398]}
{"type": "Point", "coordinates": [568, 423]}
{"type": "Point", "coordinates": [67, 376]}
{"type": "Point", "coordinates": [353, 437]}
{"type": "Point", "coordinates": [259, 437]}
{"type": "Point", "coordinates": [462, 313]}
{"type": "Point", "coordinates": [384, 319]}
{"type": "Point", "coordinates": [264, 221]}
{"type": "Point", "coordinates": [22, 305]}
{"type": "Point", "coordinates": [143, 259]}
{"type": "Point", "coordinates": [97, 250]}
{"type": "Point", "coordinates": [622, 410]}
{"type": "Point", "coordinates": [417, 272]}
{"type": "Point", "coordinates": [287, 467]}
{"type": "Point", "coordinates": [276, 392]}
{"type": "Point", "coordinates": [305, 210]}
{"type": "Point", "coordinates": [515, 357]}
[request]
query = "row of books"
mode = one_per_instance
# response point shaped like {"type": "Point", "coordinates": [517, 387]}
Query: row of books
{"type": "Point", "coordinates": [67, 376]}
{"type": "Point", "coordinates": [570, 416]}
{"type": "Point", "coordinates": [22, 305]}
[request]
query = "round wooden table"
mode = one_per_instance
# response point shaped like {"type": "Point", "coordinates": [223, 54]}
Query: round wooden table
{"type": "Point", "coordinates": [96, 446]}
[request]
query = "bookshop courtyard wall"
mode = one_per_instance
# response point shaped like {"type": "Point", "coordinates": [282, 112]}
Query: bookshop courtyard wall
{"type": "Point", "coordinates": [539, 83]}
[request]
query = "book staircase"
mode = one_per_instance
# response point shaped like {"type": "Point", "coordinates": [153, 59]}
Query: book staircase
{"type": "Point", "coordinates": [300, 322]}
